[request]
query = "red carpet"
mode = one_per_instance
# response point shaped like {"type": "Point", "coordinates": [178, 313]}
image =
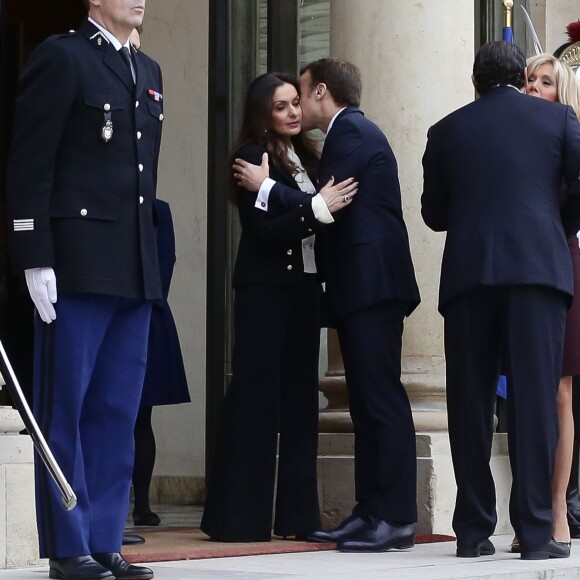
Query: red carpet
{"type": "Point", "coordinates": [165, 544]}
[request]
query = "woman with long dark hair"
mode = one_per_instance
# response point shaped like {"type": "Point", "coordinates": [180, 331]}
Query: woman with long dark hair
{"type": "Point", "coordinates": [276, 335]}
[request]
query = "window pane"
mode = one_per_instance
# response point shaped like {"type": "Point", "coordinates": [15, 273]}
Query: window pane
{"type": "Point", "coordinates": [314, 30]}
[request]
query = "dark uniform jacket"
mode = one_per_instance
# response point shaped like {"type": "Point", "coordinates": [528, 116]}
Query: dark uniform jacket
{"type": "Point", "coordinates": [492, 177]}
{"type": "Point", "coordinates": [78, 203]}
{"type": "Point", "coordinates": [270, 249]}
{"type": "Point", "coordinates": [367, 258]}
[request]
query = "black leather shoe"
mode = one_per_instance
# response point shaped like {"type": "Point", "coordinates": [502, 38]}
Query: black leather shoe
{"type": "Point", "coordinates": [380, 536]}
{"type": "Point", "coordinates": [121, 568]}
{"type": "Point", "coordinates": [132, 539]}
{"type": "Point", "coordinates": [146, 519]}
{"type": "Point", "coordinates": [352, 525]}
{"type": "Point", "coordinates": [78, 568]}
{"type": "Point", "coordinates": [574, 525]}
{"type": "Point", "coordinates": [572, 493]}
{"type": "Point", "coordinates": [552, 549]}
{"type": "Point", "coordinates": [474, 549]}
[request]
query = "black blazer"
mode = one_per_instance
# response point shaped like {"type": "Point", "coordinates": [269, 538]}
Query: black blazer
{"type": "Point", "coordinates": [75, 202]}
{"type": "Point", "coordinates": [270, 249]}
{"type": "Point", "coordinates": [492, 176]}
{"type": "Point", "coordinates": [367, 258]}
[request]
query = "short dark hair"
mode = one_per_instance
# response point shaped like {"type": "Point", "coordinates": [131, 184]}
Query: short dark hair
{"type": "Point", "coordinates": [342, 79]}
{"type": "Point", "coordinates": [499, 63]}
{"type": "Point", "coordinates": [86, 3]}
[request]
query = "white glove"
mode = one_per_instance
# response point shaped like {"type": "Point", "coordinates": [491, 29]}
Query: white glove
{"type": "Point", "coordinates": [41, 284]}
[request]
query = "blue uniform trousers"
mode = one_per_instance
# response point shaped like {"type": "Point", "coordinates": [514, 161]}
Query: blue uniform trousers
{"type": "Point", "coordinates": [88, 376]}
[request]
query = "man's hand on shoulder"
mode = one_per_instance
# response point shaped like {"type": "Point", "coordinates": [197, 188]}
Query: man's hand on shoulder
{"type": "Point", "coordinates": [250, 176]}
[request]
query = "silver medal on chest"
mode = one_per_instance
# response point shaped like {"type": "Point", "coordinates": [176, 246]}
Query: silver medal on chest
{"type": "Point", "coordinates": [107, 128]}
{"type": "Point", "coordinates": [107, 131]}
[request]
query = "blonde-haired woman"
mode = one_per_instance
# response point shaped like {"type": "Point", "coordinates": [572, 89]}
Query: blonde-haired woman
{"type": "Point", "coordinates": [553, 80]}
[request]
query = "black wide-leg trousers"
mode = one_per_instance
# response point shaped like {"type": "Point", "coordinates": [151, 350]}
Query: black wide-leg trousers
{"type": "Point", "coordinates": [274, 390]}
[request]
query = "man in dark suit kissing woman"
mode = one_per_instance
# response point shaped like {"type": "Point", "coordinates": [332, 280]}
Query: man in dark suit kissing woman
{"type": "Point", "coordinates": [370, 289]}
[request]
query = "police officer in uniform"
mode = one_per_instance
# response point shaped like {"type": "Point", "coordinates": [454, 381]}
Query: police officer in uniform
{"type": "Point", "coordinates": [81, 185]}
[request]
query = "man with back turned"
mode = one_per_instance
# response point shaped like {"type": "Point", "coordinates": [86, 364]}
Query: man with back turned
{"type": "Point", "coordinates": [493, 171]}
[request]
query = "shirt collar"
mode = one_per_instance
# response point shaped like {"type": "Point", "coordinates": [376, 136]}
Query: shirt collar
{"type": "Point", "coordinates": [109, 37]}
{"type": "Point", "coordinates": [334, 119]}
{"type": "Point", "coordinates": [510, 86]}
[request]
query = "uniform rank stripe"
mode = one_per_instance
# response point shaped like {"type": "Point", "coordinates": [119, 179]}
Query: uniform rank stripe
{"type": "Point", "coordinates": [23, 225]}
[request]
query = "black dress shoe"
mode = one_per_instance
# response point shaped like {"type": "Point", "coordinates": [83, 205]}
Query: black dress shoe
{"type": "Point", "coordinates": [574, 525]}
{"type": "Point", "coordinates": [474, 549]}
{"type": "Point", "coordinates": [132, 539]}
{"type": "Point", "coordinates": [146, 519]}
{"type": "Point", "coordinates": [78, 568]}
{"type": "Point", "coordinates": [552, 549]}
{"type": "Point", "coordinates": [352, 525]}
{"type": "Point", "coordinates": [121, 568]}
{"type": "Point", "coordinates": [380, 536]}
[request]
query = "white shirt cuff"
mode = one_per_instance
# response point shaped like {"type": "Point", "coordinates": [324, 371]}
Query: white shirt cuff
{"type": "Point", "coordinates": [264, 194]}
{"type": "Point", "coordinates": [320, 210]}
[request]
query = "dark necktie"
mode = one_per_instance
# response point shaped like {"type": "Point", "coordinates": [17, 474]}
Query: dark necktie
{"type": "Point", "coordinates": [124, 51]}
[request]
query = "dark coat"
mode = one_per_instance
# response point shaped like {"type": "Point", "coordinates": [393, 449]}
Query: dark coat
{"type": "Point", "coordinates": [165, 379]}
{"type": "Point", "coordinates": [367, 258]}
{"type": "Point", "coordinates": [492, 176]}
{"type": "Point", "coordinates": [76, 203]}
{"type": "Point", "coordinates": [270, 249]}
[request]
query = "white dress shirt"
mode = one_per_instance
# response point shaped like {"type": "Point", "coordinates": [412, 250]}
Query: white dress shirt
{"type": "Point", "coordinates": [109, 37]}
{"type": "Point", "coordinates": [334, 119]}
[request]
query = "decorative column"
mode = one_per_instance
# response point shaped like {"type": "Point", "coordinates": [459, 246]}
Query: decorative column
{"type": "Point", "coordinates": [416, 61]}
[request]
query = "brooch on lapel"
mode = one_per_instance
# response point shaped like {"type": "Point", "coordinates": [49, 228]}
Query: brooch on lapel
{"type": "Point", "coordinates": [155, 95]}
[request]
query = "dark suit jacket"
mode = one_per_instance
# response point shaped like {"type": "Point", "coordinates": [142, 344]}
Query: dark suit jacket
{"type": "Point", "coordinates": [82, 205]}
{"type": "Point", "coordinates": [270, 249]}
{"type": "Point", "coordinates": [366, 251]}
{"type": "Point", "coordinates": [492, 175]}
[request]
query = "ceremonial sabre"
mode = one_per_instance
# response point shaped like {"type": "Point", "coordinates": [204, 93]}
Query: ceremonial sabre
{"type": "Point", "coordinates": [535, 40]}
{"type": "Point", "coordinates": [69, 499]}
